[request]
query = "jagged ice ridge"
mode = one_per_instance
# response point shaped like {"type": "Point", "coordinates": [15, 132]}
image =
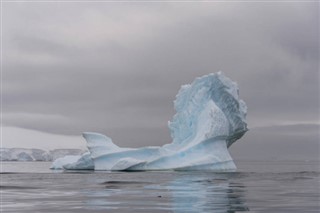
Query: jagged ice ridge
{"type": "Point", "coordinates": [209, 118]}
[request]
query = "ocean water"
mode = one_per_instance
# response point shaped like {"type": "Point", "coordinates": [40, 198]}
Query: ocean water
{"type": "Point", "coordinates": [285, 186]}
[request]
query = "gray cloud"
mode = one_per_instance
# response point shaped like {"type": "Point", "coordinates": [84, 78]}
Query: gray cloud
{"type": "Point", "coordinates": [116, 67]}
{"type": "Point", "coordinates": [298, 142]}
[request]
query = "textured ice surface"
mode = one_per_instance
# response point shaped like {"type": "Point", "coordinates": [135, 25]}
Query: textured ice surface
{"type": "Point", "coordinates": [74, 162]}
{"type": "Point", "coordinates": [68, 159]}
{"type": "Point", "coordinates": [209, 118]}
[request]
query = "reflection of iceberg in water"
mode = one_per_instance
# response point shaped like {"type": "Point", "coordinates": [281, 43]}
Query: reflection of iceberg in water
{"type": "Point", "coordinates": [177, 192]}
{"type": "Point", "coordinates": [209, 118]}
{"type": "Point", "coordinates": [215, 195]}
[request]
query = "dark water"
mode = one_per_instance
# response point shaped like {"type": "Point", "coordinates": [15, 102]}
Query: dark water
{"type": "Point", "coordinates": [290, 186]}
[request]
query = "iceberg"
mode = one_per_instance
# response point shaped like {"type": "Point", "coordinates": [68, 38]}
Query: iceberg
{"type": "Point", "coordinates": [209, 118]}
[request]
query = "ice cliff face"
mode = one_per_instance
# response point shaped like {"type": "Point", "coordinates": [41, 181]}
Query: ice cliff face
{"type": "Point", "coordinates": [209, 118]}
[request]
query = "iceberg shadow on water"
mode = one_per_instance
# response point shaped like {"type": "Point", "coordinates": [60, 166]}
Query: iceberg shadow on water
{"type": "Point", "coordinates": [209, 118]}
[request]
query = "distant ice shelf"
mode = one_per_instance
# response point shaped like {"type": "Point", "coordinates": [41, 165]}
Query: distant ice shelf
{"type": "Point", "coordinates": [209, 118]}
{"type": "Point", "coordinates": [22, 154]}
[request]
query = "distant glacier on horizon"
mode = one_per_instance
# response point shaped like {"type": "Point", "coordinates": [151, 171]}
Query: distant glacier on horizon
{"type": "Point", "coordinates": [23, 154]}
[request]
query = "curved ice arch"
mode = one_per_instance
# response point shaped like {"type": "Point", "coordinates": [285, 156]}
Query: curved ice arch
{"type": "Point", "coordinates": [209, 118]}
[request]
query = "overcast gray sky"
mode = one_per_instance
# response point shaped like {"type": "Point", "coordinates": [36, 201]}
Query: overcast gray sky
{"type": "Point", "coordinates": [115, 68]}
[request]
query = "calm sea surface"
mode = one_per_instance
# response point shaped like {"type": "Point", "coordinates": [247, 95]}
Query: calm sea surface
{"type": "Point", "coordinates": [287, 186]}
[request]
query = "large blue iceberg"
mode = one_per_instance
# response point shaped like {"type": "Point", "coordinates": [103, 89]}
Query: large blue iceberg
{"type": "Point", "coordinates": [209, 118]}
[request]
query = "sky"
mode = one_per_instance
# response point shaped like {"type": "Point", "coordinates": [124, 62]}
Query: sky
{"type": "Point", "coordinates": [115, 68]}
